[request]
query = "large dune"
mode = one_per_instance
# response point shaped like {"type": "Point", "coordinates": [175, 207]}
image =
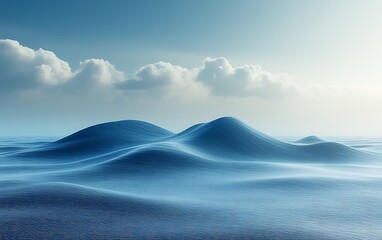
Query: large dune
{"type": "Point", "coordinates": [221, 179]}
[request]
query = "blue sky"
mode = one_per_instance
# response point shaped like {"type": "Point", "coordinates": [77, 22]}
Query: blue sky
{"type": "Point", "coordinates": [285, 67]}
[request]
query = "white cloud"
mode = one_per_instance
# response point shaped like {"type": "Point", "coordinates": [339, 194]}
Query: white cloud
{"type": "Point", "coordinates": [98, 71]}
{"type": "Point", "coordinates": [217, 75]}
{"type": "Point", "coordinates": [247, 80]}
{"type": "Point", "coordinates": [157, 75]}
{"type": "Point", "coordinates": [162, 79]}
{"type": "Point", "coordinates": [23, 68]}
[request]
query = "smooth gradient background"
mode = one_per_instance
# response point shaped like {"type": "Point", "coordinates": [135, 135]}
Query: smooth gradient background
{"type": "Point", "coordinates": [285, 67]}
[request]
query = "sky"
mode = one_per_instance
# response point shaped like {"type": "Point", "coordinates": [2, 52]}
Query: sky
{"type": "Point", "coordinates": [287, 67]}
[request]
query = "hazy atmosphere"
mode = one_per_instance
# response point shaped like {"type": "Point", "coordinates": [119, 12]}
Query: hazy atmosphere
{"type": "Point", "coordinates": [190, 119]}
{"type": "Point", "coordinates": [284, 67]}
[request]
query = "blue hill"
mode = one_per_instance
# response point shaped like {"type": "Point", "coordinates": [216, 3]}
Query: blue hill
{"type": "Point", "coordinates": [310, 140]}
{"type": "Point", "coordinates": [223, 138]}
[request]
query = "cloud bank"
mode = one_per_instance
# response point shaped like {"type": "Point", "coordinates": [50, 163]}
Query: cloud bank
{"type": "Point", "coordinates": [38, 90]}
{"type": "Point", "coordinates": [25, 68]}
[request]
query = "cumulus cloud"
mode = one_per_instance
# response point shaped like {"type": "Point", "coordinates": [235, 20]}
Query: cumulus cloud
{"type": "Point", "coordinates": [24, 68]}
{"type": "Point", "coordinates": [217, 74]}
{"type": "Point", "coordinates": [162, 79]}
{"type": "Point", "coordinates": [248, 80]}
{"type": "Point", "coordinates": [98, 71]}
{"type": "Point", "coordinates": [157, 75]}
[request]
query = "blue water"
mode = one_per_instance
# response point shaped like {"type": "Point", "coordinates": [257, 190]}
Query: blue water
{"type": "Point", "coordinates": [219, 180]}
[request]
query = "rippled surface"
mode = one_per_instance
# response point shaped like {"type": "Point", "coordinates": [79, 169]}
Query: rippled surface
{"type": "Point", "coordinates": [222, 179]}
